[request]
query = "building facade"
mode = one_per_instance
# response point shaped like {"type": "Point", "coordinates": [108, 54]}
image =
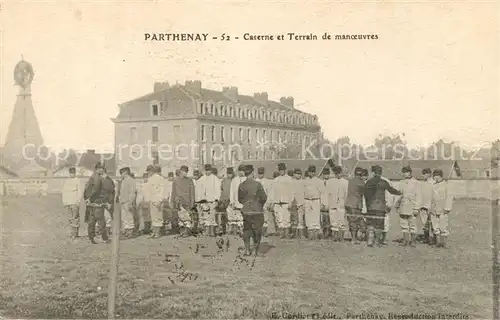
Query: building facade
{"type": "Point", "coordinates": [191, 125]}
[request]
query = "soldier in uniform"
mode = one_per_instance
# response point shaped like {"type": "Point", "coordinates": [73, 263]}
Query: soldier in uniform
{"type": "Point", "coordinates": [109, 192]}
{"type": "Point", "coordinates": [314, 192]}
{"type": "Point", "coordinates": [183, 200]}
{"type": "Point", "coordinates": [253, 197]}
{"type": "Point", "coordinates": [71, 196]}
{"type": "Point", "coordinates": [169, 218]}
{"type": "Point", "coordinates": [197, 223]}
{"type": "Point", "coordinates": [94, 200]}
{"type": "Point", "coordinates": [376, 205]}
{"type": "Point", "coordinates": [209, 190]}
{"type": "Point", "coordinates": [127, 199]}
{"type": "Point", "coordinates": [267, 184]}
{"type": "Point", "coordinates": [325, 217]}
{"type": "Point", "coordinates": [282, 200]}
{"type": "Point", "coordinates": [143, 205]}
{"type": "Point", "coordinates": [425, 202]}
{"type": "Point", "coordinates": [234, 216]}
{"type": "Point", "coordinates": [441, 206]}
{"type": "Point", "coordinates": [408, 207]}
{"type": "Point", "coordinates": [335, 199]}
{"type": "Point", "coordinates": [225, 195]}
{"type": "Point", "coordinates": [354, 204]}
{"type": "Point", "coordinates": [155, 196]}
{"type": "Point", "coordinates": [297, 212]}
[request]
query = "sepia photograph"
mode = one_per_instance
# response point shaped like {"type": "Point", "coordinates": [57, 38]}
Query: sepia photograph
{"type": "Point", "coordinates": [249, 160]}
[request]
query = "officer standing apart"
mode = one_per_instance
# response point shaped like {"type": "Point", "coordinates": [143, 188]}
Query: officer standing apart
{"type": "Point", "coordinates": [253, 197]}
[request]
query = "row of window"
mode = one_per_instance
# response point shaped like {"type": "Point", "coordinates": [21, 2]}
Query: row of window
{"type": "Point", "coordinates": [254, 114]}
{"type": "Point", "coordinates": [233, 158]}
{"type": "Point", "coordinates": [244, 135]}
{"type": "Point", "coordinates": [155, 134]}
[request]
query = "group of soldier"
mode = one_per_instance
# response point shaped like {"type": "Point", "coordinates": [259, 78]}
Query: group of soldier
{"type": "Point", "coordinates": [296, 204]}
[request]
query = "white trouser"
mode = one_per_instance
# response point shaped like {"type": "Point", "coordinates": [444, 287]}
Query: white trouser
{"type": "Point", "coordinates": [337, 219]}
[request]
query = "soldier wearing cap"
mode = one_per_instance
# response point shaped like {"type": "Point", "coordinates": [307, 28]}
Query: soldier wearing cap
{"type": "Point", "coordinates": [71, 194]}
{"type": "Point", "coordinates": [155, 196]}
{"type": "Point", "coordinates": [253, 197]}
{"type": "Point", "coordinates": [297, 208]}
{"type": "Point", "coordinates": [375, 194]}
{"type": "Point", "coordinates": [282, 197]}
{"type": "Point", "coordinates": [143, 205]}
{"type": "Point", "coordinates": [335, 201]}
{"type": "Point", "coordinates": [94, 198]}
{"type": "Point", "coordinates": [314, 192]}
{"type": "Point", "coordinates": [127, 199]}
{"type": "Point", "coordinates": [234, 216]}
{"type": "Point", "coordinates": [426, 190]}
{"type": "Point", "coordinates": [325, 218]}
{"type": "Point", "coordinates": [222, 217]}
{"type": "Point", "coordinates": [183, 200]}
{"type": "Point", "coordinates": [169, 215]}
{"type": "Point", "coordinates": [408, 206]}
{"type": "Point", "coordinates": [441, 206]}
{"type": "Point", "coordinates": [268, 215]}
{"type": "Point", "coordinates": [208, 195]}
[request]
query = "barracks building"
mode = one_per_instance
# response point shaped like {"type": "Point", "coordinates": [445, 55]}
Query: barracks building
{"type": "Point", "coordinates": [188, 124]}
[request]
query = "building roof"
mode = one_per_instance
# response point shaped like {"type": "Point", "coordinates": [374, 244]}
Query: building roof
{"type": "Point", "coordinates": [137, 107]}
{"type": "Point", "coordinates": [391, 169]}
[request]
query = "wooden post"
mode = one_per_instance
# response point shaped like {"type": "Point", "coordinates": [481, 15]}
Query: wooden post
{"type": "Point", "coordinates": [115, 255]}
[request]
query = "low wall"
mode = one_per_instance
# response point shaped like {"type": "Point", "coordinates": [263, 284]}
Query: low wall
{"type": "Point", "coordinates": [478, 189]}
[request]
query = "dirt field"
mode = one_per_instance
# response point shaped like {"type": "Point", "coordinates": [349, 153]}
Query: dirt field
{"type": "Point", "coordinates": [45, 276]}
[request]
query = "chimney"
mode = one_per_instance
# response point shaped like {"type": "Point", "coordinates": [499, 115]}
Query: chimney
{"type": "Point", "coordinates": [231, 93]}
{"type": "Point", "coordinates": [261, 98]}
{"type": "Point", "coordinates": [160, 86]}
{"type": "Point", "coordinates": [287, 101]}
{"type": "Point", "coordinates": [194, 86]}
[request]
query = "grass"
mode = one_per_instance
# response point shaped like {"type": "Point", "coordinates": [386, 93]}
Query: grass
{"type": "Point", "coordinates": [42, 275]}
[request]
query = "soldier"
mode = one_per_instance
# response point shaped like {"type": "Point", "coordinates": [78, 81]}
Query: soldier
{"type": "Point", "coordinates": [127, 199]}
{"type": "Point", "coordinates": [225, 196]}
{"type": "Point", "coordinates": [71, 196]}
{"type": "Point", "coordinates": [441, 206]}
{"type": "Point", "coordinates": [235, 219]}
{"type": "Point", "coordinates": [334, 201]}
{"type": "Point", "coordinates": [183, 200]}
{"type": "Point", "coordinates": [425, 203]}
{"type": "Point", "coordinates": [325, 218]}
{"type": "Point", "coordinates": [314, 191]}
{"type": "Point", "coordinates": [297, 208]}
{"type": "Point", "coordinates": [95, 205]}
{"type": "Point", "coordinates": [208, 197]}
{"type": "Point", "coordinates": [197, 223]}
{"type": "Point", "coordinates": [408, 207]}
{"type": "Point", "coordinates": [275, 174]}
{"type": "Point", "coordinates": [155, 197]}
{"type": "Point", "coordinates": [267, 184]}
{"type": "Point", "coordinates": [109, 191]}
{"type": "Point", "coordinates": [167, 210]}
{"type": "Point", "coordinates": [253, 197]}
{"type": "Point", "coordinates": [282, 199]}
{"type": "Point", "coordinates": [376, 205]}
{"type": "Point", "coordinates": [354, 204]}
{"type": "Point", "coordinates": [143, 205]}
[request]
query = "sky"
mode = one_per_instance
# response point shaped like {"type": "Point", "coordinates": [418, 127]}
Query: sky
{"type": "Point", "coordinates": [433, 72]}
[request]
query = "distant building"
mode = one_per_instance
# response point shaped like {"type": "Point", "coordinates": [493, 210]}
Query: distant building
{"type": "Point", "coordinates": [191, 125]}
{"type": "Point", "coordinates": [84, 163]}
{"type": "Point", "coordinates": [391, 169]}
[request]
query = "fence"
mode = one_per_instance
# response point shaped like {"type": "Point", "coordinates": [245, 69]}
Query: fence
{"type": "Point", "coordinates": [477, 189]}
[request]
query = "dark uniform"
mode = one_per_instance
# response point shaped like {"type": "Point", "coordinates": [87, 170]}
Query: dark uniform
{"type": "Point", "coordinates": [354, 204]}
{"type": "Point", "coordinates": [183, 199]}
{"type": "Point", "coordinates": [222, 220]}
{"type": "Point", "coordinates": [252, 196]}
{"type": "Point", "coordinates": [93, 194]}
{"type": "Point", "coordinates": [376, 204]}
